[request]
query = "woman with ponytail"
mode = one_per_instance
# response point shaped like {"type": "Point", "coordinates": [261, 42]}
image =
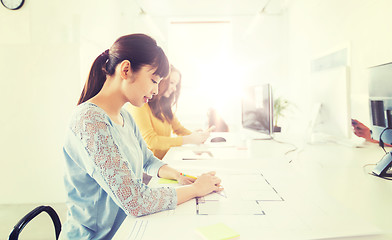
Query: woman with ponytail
{"type": "Point", "coordinates": [157, 121]}
{"type": "Point", "coordinates": [105, 154]}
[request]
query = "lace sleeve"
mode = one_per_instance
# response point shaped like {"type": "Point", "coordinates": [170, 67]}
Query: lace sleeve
{"type": "Point", "coordinates": [112, 172]}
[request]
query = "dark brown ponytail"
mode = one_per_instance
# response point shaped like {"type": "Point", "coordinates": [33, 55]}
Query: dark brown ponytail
{"type": "Point", "coordinates": [96, 78]}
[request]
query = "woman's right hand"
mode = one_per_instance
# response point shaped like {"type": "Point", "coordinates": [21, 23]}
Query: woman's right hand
{"type": "Point", "coordinates": [207, 183]}
{"type": "Point", "coordinates": [196, 137]}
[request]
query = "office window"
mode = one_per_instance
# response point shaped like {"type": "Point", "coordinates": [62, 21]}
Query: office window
{"type": "Point", "coordinates": [202, 51]}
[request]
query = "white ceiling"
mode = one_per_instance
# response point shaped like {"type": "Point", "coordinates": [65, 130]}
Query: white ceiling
{"type": "Point", "coordinates": [211, 8]}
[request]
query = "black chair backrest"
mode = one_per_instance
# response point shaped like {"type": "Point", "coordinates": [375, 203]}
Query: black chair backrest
{"type": "Point", "coordinates": [28, 217]}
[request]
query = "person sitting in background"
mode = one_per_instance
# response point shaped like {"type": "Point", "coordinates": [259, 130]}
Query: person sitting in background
{"type": "Point", "coordinates": [157, 121]}
{"type": "Point", "coordinates": [216, 122]}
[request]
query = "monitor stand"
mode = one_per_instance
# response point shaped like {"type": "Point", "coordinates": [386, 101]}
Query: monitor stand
{"type": "Point", "coordinates": [254, 135]}
{"type": "Point", "coordinates": [383, 167]}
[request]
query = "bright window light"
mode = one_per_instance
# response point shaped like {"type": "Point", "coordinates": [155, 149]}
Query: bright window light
{"type": "Point", "coordinates": [202, 51]}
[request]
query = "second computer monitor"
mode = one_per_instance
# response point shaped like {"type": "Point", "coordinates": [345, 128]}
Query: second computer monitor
{"type": "Point", "coordinates": [257, 109]}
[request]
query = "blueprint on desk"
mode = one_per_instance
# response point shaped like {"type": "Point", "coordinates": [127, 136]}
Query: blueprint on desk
{"type": "Point", "coordinates": [243, 194]}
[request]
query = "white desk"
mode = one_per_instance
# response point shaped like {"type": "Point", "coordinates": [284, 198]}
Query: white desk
{"type": "Point", "coordinates": [326, 190]}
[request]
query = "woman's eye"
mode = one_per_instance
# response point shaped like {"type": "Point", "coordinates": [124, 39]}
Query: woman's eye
{"type": "Point", "coordinates": [155, 82]}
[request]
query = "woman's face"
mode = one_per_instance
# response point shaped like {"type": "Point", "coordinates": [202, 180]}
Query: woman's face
{"type": "Point", "coordinates": [142, 86]}
{"type": "Point", "coordinates": [174, 80]}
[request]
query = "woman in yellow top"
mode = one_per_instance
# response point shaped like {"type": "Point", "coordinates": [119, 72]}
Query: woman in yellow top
{"type": "Point", "coordinates": [157, 121]}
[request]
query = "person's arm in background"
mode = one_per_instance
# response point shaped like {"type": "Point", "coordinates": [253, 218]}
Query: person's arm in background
{"type": "Point", "coordinates": [197, 137]}
{"type": "Point", "coordinates": [178, 128]}
{"type": "Point", "coordinates": [361, 130]}
{"type": "Point", "coordinates": [143, 119]}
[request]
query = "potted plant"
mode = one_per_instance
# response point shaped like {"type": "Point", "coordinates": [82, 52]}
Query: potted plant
{"type": "Point", "coordinates": [280, 106]}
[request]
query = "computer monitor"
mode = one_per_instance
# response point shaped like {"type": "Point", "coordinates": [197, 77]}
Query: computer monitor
{"type": "Point", "coordinates": [380, 101]}
{"type": "Point", "coordinates": [257, 109]}
{"type": "Point", "coordinates": [330, 105]}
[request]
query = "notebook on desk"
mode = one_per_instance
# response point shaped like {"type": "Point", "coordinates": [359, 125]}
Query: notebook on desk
{"type": "Point", "coordinates": [217, 231]}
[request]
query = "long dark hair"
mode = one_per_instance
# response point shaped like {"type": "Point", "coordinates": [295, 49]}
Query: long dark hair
{"type": "Point", "coordinates": [139, 49]}
{"type": "Point", "coordinates": [161, 106]}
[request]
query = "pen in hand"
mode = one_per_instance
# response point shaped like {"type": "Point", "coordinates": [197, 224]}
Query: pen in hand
{"type": "Point", "coordinates": [187, 175]}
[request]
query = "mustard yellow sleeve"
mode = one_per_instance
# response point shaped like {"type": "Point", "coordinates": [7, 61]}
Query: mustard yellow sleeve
{"type": "Point", "coordinates": [178, 129]}
{"type": "Point", "coordinates": [146, 121]}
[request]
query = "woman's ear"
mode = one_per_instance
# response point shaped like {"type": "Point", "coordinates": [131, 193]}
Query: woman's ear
{"type": "Point", "coordinates": [125, 69]}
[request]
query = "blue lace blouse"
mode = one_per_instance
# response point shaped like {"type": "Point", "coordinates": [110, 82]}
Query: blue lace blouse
{"type": "Point", "coordinates": [104, 165]}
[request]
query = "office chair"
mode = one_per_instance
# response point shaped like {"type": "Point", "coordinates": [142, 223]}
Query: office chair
{"type": "Point", "coordinates": [28, 217]}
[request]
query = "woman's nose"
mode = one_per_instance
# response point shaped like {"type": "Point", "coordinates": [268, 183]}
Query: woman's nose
{"type": "Point", "coordinates": [155, 90]}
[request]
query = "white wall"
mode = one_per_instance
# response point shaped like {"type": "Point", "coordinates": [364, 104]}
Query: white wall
{"type": "Point", "coordinates": [43, 47]}
{"type": "Point", "coordinates": [317, 26]}
{"type": "Point", "coordinates": [39, 72]}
